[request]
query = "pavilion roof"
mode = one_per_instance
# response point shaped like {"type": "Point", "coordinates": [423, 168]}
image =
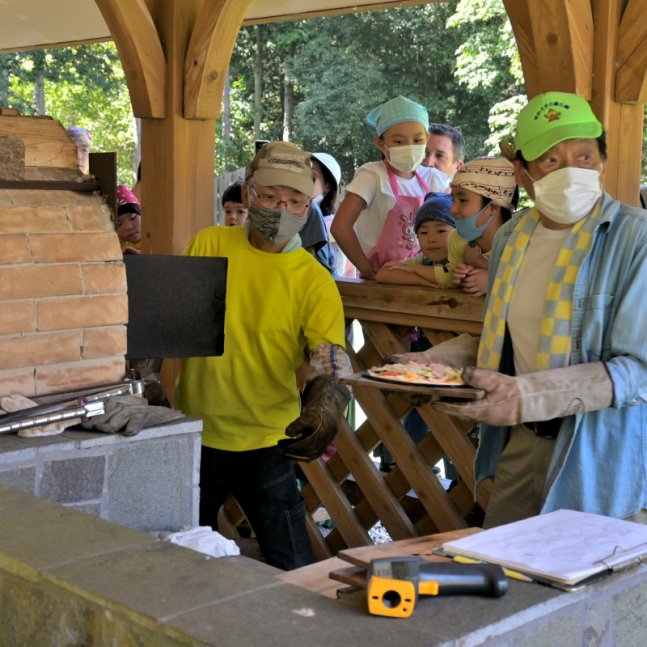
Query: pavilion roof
{"type": "Point", "coordinates": [32, 24]}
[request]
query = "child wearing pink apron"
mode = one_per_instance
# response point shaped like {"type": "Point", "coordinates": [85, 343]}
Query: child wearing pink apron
{"type": "Point", "coordinates": [375, 222]}
{"type": "Point", "coordinates": [398, 240]}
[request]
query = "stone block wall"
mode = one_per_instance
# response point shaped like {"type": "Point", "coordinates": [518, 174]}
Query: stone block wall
{"type": "Point", "coordinates": [148, 482]}
{"type": "Point", "coordinates": [63, 300]}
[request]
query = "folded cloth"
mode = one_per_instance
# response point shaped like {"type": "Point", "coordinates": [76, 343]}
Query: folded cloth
{"type": "Point", "coordinates": [17, 402]}
{"type": "Point", "coordinates": [203, 540]}
{"type": "Point", "coordinates": [129, 415]}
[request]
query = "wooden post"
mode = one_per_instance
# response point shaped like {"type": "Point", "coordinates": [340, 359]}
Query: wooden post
{"type": "Point", "coordinates": [623, 122]}
{"type": "Point", "coordinates": [159, 42]}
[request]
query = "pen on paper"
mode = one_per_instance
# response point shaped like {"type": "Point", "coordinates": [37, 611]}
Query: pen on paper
{"type": "Point", "coordinates": [513, 575]}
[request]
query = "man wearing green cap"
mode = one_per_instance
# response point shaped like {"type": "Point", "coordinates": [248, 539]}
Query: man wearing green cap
{"type": "Point", "coordinates": [563, 353]}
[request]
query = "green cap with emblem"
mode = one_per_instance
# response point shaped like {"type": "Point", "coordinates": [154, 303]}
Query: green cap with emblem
{"type": "Point", "coordinates": [551, 118]}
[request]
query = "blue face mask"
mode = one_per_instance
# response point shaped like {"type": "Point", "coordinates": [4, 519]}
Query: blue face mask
{"type": "Point", "coordinates": [467, 229]}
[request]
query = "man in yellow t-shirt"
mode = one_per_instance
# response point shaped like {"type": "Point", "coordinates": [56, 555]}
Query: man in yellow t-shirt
{"type": "Point", "coordinates": [279, 301]}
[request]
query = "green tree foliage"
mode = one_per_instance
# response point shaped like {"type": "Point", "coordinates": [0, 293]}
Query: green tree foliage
{"type": "Point", "coordinates": [456, 58]}
{"type": "Point", "coordinates": [83, 86]}
{"type": "Point", "coordinates": [487, 61]}
{"type": "Point", "coordinates": [310, 81]}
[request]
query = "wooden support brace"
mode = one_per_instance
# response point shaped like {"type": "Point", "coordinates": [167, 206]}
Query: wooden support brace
{"type": "Point", "coordinates": [207, 58]}
{"type": "Point", "coordinates": [140, 50]}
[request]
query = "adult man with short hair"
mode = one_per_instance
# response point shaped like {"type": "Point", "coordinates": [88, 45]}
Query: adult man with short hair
{"type": "Point", "coordinates": [564, 418]}
{"type": "Point", "coordinates": [445, 149]}
{"type": "Point", "coordinates": [279, 299]}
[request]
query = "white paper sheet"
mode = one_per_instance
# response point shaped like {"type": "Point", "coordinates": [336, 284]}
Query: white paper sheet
{"type": "Point", "coordinates": [564, 546]}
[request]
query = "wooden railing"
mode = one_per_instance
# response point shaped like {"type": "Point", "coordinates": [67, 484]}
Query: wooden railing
{"type": "Point", "coordinates": [410, 500]}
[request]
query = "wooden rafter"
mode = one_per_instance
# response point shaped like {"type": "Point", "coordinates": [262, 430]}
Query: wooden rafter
{"type": "Point", "coordinates": [563, 36]}
{"type": "Point", "coordinates": [555, 41]}
{"type": "Point", "coordinates": [141, 54]}
{"type": "Point", "coordinates": [631, 57]}
{"type": "Point", "coordinates": [208, 55]}
{"type": "Point", "coordinates": [522, 28]}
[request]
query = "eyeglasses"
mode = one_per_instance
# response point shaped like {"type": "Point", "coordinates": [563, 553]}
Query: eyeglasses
{"type": "Point", "coordinates": [271, 201]}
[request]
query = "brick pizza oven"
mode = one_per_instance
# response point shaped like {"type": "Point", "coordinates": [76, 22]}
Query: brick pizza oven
{"type": "Point", "coordinates": [63, 301]}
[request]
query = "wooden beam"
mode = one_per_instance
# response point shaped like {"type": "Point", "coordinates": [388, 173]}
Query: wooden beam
{"type": "Point", "coordinates": [351, 7]}
{"type": "Point", "coordinates": [520, 21]}
{"type": "Point", "coordinates": [623, 122]}
{"type": "Point", "coordinates": [207, 58]}
{"type": "Point", "coordinates": [631, 56]}
{"type": "Point", "coordinates": [141, 54]}
{"type": "Point", "coordinates": [563, 40]}
{"type": "Point", "coordinates": [177, 153]}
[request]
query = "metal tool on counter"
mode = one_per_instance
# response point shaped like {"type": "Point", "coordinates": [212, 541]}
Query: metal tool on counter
{"type": "Point", "coordinates": [84, 411]}
{"type": "Point", "coordinates": [394, 583]}
{"type": "Point", "coordinates": [83, 404]}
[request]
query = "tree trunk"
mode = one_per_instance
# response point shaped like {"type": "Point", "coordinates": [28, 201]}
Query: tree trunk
{"type": "Point", "coordinates": [39, 94]}
{"type": "Point", "coordinates": [4, 85]}
{"type": "Point", "coordinates": [226, 109]}
{"type": "Point", "coordinates": [258, 82]}
{"type": "Point", "coordinates": [288, 109]}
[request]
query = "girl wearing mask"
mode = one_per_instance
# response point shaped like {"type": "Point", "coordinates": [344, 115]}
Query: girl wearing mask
{"type": "Point", "coordinates": [484, 194]}
{"type": "Point", "coordinates": [375, 222]}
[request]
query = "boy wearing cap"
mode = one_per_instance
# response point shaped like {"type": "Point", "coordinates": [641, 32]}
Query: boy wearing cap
{"type": "Point", "coordinates": [279, 299]}
{"type": "Point", "coordinates": [375, 222]}
{"type": "Point", "coordinates": [434, 224]}
{"type": "Point", "coordinates": [561, 357]}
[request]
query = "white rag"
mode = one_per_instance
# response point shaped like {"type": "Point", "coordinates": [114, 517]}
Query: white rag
{"type": "Point", "coordinates": [203, 540]}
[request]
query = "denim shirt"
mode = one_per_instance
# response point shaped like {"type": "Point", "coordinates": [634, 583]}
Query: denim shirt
{"type": "Point", "coordinates": [600, 459]}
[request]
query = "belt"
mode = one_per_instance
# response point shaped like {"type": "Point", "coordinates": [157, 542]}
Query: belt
{"type": "Point", "coordinates": [545, 428]}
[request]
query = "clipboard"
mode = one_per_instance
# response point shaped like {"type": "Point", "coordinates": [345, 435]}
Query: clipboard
{"type": "Point", "coordinates": [443, 392]}
{"type": "Point", "coordinates": [566, 549]}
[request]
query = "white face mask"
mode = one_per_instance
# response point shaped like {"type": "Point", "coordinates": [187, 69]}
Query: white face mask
{"type": "Point", "coordinates": [406, 158]}
{"type": "Point", "coordinates": [568, 194]}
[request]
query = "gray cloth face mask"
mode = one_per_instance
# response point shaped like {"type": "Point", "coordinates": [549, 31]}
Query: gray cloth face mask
{"type": "Point", "coordinates": [276, 225]}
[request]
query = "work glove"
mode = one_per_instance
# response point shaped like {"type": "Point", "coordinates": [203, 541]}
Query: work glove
{"type": "Point", "coordinates": [129, 415]}
{"type": "Point", "coordinates": [458, 351]}
{"type": "Point", "coordinates": [534, 397]}
{"type": "Point", "coordinates": [148, 370]}
{"type": "Point", "coordinates": [324, 401]}
{"type": "Point", "coordinates": [154, 394]}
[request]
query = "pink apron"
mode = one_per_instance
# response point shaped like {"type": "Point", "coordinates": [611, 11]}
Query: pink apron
{"type": "Point", "coordinates": [398, 240]}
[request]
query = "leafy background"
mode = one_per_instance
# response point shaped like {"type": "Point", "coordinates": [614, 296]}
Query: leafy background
{"type": "Point", "coordinates": [311, 82]}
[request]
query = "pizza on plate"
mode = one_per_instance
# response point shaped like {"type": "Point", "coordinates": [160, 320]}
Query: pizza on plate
{"type": "Point", "coordinates": [413, 373]}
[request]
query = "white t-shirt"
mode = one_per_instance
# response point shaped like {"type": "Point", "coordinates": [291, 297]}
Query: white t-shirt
{"type": "Point", "coordinates": [371, 183]}
{"type": "Point", "coordinates": [529, 294]}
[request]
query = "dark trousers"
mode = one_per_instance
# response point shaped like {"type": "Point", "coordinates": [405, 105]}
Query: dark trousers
{"type": "Point", "coordinates": [264, 484]}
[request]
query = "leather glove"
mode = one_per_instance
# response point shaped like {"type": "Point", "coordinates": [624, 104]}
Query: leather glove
{"type": "Point", "coordinates": [458, 351]}
{"type": "Point", "coordinates": [129, 415]}
{"type": "Point", "coordinates": [324, 401]}
{"type": "Point", "coordinates": [534, 397]}
{"type": "Point", "coordinates": [154, 394]}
